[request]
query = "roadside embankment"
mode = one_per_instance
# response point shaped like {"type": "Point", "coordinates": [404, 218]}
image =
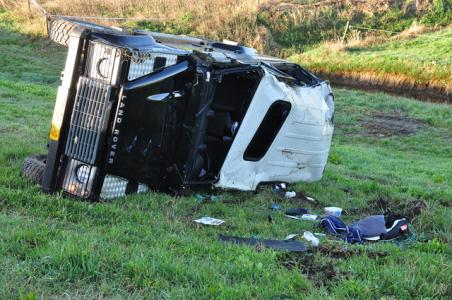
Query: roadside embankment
{"type": "Point", "coordinates": [418, 66]}
{"type": "Point", "coordinates": [369, 81]}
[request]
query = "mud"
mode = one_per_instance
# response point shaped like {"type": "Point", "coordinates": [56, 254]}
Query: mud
{"type": "Point", "coordinates": [366, 83]}
{"type": "Point", "coordinates": [409, 209]}
{"type": "Point", "coordinates": [302, 200]}
{"type": "Point", "coordinates": [395, 124]}
{"type": "Point", "coordinates": [322, 274]}
{"type": "Point", "coordinates": [325, 272]}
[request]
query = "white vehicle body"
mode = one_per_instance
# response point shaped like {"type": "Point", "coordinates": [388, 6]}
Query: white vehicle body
{"type": "Point", "coordinates": [299, 151]}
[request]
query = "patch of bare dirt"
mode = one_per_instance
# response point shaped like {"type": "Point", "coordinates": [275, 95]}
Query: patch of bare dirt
{"type": "Point", "coordinates": [384, 124]}
{"type": "Point", "coordinates": [324, 272]}
{"type": "Point", "coordinates": [409, 209]}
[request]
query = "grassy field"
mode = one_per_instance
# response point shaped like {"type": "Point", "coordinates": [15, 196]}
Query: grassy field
{"type": "Point", "coordinates": [386, 151]}
{"type": "Point", "coordinates": [281, 27]}
{"type": "Point", "coordinates": [425, 60]}
{"type": "Point", "coordinates": [394, 55]}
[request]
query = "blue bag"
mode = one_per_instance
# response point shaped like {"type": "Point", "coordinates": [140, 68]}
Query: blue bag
{"type": "Point", "coordinates": [335, 226]}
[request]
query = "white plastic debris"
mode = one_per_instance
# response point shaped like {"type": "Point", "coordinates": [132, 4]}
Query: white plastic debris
{"type": "Point", "coordinates": [279, 186]}
{"type": "Point", "coordinates": [307, 235]}
{"type": "Point", "coordinates": [309, 217]}
{"type": "Point", "coordinates": [304, 217]}
{"type": "Point", "coordinates": [333, 211]}
{"type": "Point", "coordinates": [290, 236]}
{"type": "Point", "coordinates": [209, 221]}
{"type": "Point", "coordinates": [290, 194]}
{"type": "Point", "coordinates": [293, 217]}
{"type": "Point", "coordinates": [310, 199]}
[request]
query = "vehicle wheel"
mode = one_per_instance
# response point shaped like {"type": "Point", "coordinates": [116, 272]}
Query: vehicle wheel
{"type": "Point", "coordinates": [33, 168]}
{"type": "Point", "coordinates": [59, 29]}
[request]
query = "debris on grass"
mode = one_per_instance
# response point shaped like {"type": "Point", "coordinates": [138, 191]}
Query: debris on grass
{"type": "Point", "coordinates": [279, 186]}
{"type": "Point", "coordinates": [291, 236]}
{"type": "Point", "coordinates": [288, 245]}
{"type": "Point", "coordinates": [372, 228]}
{"type": "Point", "coordinates": [307, 235]}
{"type": "Point", "coordinates": [309, 217]}
{"type": "Point", "coordinates": [209, 221]}
{"type": "Point", "coordinates": [333, 211]}
{"type": "Point", "coordinates": [290, 194]}
{"type": "Point", "coordinates": [296, 211]}
{"type": "Point", "coordinates": [306, 200]}
{"type": "Point", "coordinates": [275, 206]}
{"type": "Point", "coordinates": [303, 217]}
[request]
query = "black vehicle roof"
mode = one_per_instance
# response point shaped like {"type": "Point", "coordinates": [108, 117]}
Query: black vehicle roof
{"type": "Point", "coordinates": [216, 49]}
{"type": "Point", "coordinates": [144, 41]}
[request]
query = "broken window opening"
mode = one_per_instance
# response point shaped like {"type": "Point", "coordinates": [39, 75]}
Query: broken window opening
{"type": "Point", "coordinates": [230, 103]}
{"type": "Point", "coordinates": [267, 131]}
{"type": "Point", "coordinates": [295, 71]}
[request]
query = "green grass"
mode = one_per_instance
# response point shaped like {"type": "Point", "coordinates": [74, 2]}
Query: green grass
{"type": "Point", "coordinates": [146, 246]}
{"type": "Point", "coordinates": [422, 60]}
{"type": "Point", "coordinates": [305, 29]}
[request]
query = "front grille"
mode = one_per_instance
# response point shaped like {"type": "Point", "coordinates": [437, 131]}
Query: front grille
{"type": "Point", "coordinates": [88, 119]}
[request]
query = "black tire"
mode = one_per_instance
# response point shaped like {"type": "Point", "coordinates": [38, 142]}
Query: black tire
{"type": "Point", "coordinates": [33, 168]}
{"type": "Point", "coordinates": [59, 29]}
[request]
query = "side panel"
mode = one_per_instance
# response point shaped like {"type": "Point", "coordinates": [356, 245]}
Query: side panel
{"type": "Point", "coordinates": [299, 151]}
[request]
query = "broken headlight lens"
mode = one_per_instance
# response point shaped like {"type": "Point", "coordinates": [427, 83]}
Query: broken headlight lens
{"type": "Point", "coordinates": [329, 100]}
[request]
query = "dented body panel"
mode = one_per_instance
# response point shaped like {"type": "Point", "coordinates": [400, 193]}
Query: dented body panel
{"type": "Point", "coordinates": [299, 151]}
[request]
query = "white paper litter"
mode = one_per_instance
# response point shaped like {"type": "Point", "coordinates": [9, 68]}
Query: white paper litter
{"type": "Point", "coordinates": [209, 221]}
{"type": "Point", "coordinates": [307, 235]}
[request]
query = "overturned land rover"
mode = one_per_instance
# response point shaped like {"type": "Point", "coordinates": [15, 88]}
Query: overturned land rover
{"type": "Point", "coordinates": [144, 110]}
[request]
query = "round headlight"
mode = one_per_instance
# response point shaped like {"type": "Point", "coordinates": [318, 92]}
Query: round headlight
{"type": "Point", "coordinates": [82, 173]}
{"type": "Point", "coordinates": [104, 67]}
